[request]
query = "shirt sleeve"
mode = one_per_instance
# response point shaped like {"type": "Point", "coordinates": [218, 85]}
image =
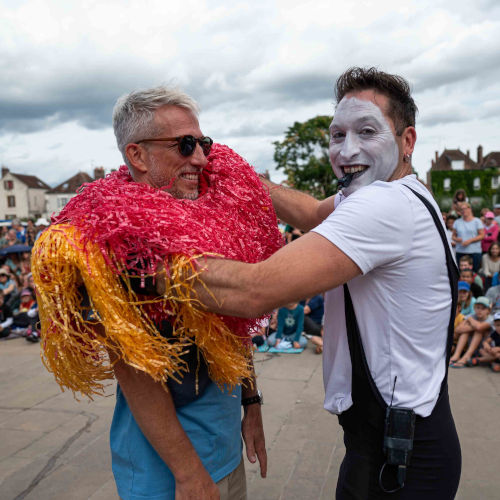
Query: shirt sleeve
{"type": "Point", "coordinates": [373, 226]}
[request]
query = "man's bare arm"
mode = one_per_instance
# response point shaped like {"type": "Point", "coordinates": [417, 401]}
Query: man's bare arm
{"type": "Point", "coordinates": [296, 208]}
{"type": "Point", "coordinates": [252, 428]}
{"type": "Point", "coordinates": [154, 412]}
{"type": "Point", "coordinates": [304, 268]}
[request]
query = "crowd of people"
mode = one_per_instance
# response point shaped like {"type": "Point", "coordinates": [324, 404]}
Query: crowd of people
{"type": "Point", "coordinates": [477, 247]}
{"type": "Point", "coordinates": [18, 304]}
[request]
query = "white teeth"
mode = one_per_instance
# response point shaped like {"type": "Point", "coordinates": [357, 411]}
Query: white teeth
{"type": "Point", "coordinates": [190, 177]}
{"type": "Point", "coordinates": [354, 168]}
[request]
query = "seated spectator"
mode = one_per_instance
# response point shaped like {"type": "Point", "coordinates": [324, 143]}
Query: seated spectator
{"type": "Point", "coordinates": [6, 318]}
{"type": "Point", "coordinates": [471, 332]}
{"type": "Point", "coordinates": [10, 239]}
{"type": "Point", "coordinates": [29, 282]}
{"type": "Point", "coordinates": [465, 262]}
{"type": "Point", "coordinates": [313, 315]}
{"type": "Point", "coordinates": [9, 289]}
{"type": "Point", "coordinates": [27, 317]}
{"type": "Point", "coordinates": [493, 295]}
{"type": "Point", "coordinates": [290, 326]}
{"type": "Point", "coordinates": [465, 299]}
{"type": "Point", "coordinates": [468, 276]}
{"type": "Point", "coordinates": [490, 231]}
{"type": "Point", "coordinates": [489, 352]}
{"type": "Point", "coordinates": [490, 264]}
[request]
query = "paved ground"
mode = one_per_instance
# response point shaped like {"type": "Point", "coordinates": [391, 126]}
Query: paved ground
{"type": "Point", "coordinates": [54, 448]}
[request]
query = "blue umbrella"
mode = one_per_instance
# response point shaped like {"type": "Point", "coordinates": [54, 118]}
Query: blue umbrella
{"type": "Point", "coordinates": [15, 249]}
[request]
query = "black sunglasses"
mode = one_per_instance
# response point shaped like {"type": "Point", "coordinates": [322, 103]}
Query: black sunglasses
{"type": "Point", "coordinates": [186, 143]}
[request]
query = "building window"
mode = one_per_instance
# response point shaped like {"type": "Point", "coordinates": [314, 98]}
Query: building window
{"type": "Point", "coordinates": [447, 184]}
{"type": "Point", "coordinates": [495, 182]}
{"type": "Point", "coordinates": [61, 202]}
{"type": "Point", "coordinates": [8, 185]}
{"type": "Point", "coordinates": [457, 164]}
{"type": "Point", "coordinates": [11, 201]}
{"type": "Point", "coordinates": [477, 184]}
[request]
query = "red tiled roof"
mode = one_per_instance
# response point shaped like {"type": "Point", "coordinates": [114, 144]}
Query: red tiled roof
{"type": "Point", "coordinates": [492, 159]}
{"type": "Point", "coordinates": [32, 181]}
{"type": "Point", "coordinates": [72, 184]}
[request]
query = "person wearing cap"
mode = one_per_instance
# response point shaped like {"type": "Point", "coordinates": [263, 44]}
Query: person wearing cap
{"type": "Point", "coordinates": [465, 299]}
{"type": "Point", "coordinates": [490, 231]}
{"type": "Point", "coordinates": [471, 332]}
{"type": "Point", "coordinates": [468, 231]}
{"type": "Point", "coordinates": [42, 223]}
{"type": "Point", "coordinates": [489, 352]}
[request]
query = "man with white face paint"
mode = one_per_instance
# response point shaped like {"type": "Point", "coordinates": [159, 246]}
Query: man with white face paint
{"type": "Point", "coordinates": [379, 251]}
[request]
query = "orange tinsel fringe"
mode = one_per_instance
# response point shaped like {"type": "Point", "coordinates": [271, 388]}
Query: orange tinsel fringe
{"type": "Point", "coordinates": [76, 341]}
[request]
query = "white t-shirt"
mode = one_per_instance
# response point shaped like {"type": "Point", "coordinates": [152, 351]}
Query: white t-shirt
{"type": "Point", "coordinates": [402, 300]}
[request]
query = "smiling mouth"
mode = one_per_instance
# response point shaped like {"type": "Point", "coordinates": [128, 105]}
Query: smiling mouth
{"type": "Point", "coordinates": [190, 176]}
{"type": "Point", "coordinates": [354, 170]}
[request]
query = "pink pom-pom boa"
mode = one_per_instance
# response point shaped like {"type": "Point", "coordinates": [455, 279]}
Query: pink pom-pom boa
{"type": "Point", "coordinates": [137, 226]}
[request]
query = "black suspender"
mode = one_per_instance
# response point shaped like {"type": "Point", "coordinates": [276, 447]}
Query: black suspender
{"type": "Point", "coordinates": [368, 410]}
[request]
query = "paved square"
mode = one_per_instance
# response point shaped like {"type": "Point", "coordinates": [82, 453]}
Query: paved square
{"type": "Point", "coordinates": [55, 448]}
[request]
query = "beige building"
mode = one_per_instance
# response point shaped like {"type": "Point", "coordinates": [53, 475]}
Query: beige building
{"type": "Point", "coordinates": [57, 198]}
{"type": "Point", "coordinates": [21, 196]}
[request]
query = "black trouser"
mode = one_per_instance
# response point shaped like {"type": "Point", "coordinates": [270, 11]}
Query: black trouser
{"type": "Point", "coordinates": [434, 470]}
{"type": "Point", "coordinates": [311, 327]}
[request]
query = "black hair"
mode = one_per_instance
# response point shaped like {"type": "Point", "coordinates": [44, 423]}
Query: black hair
{"type": "Point", "coordinates": [402, 108]}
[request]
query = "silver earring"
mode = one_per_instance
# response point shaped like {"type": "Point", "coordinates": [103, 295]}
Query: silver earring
{"type": "Point", "coordinates": [406, 158]}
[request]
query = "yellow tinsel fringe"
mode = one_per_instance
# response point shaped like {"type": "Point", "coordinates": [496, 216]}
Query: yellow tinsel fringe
{"type": "Point", "coordinates": [74, 346]}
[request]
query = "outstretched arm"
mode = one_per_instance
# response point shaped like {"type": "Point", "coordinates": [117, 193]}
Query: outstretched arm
{"type": "Point", "coordinates": [304, 268]}
{"type": "Point", "coordinates": [296, 208]}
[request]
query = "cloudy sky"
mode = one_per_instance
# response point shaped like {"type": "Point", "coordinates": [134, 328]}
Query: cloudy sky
{"type": "Point", "coordinates": [254, 66]}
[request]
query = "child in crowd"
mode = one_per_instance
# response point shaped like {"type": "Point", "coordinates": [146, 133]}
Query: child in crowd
{"type": "Point", "coordinates": [266, 327]}
{"type": "Point", "coordinates": [490, 348]}
{"type": "Point", "coordinates": [468, 276]}
{"type": "Point", "coordinates": [490, 264]}
{"type": "Point", "coordinates": [290, 326]}
{"type": "Point", "coordinates": [471, 332]}
{"type": "Point", "coordinates": [465, 299]}
{"type": "Point", "coordinates": [27, 317]}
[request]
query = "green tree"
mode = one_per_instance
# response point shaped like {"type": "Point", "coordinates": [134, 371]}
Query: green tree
{"type": "Point", "coordinates": [303, 155]}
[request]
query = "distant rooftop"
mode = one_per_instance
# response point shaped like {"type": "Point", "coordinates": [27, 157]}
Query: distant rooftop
{"type": "Point", "coordinates": [70, 185]}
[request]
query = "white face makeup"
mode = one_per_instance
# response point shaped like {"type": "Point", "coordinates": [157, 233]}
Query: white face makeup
{"type": "Point", "coordinates": [361, 143]}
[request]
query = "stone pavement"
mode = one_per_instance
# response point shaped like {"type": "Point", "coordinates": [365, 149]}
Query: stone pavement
{"type": "Point", "coordinates": [54, 448]}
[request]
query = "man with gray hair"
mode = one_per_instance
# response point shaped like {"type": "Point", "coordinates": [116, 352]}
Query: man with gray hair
{"type": "Point", "coordinates": [184, 442]}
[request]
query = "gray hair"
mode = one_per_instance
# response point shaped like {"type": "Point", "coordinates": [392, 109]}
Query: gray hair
{"type": "Point", "coordinates": [133, 114]}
